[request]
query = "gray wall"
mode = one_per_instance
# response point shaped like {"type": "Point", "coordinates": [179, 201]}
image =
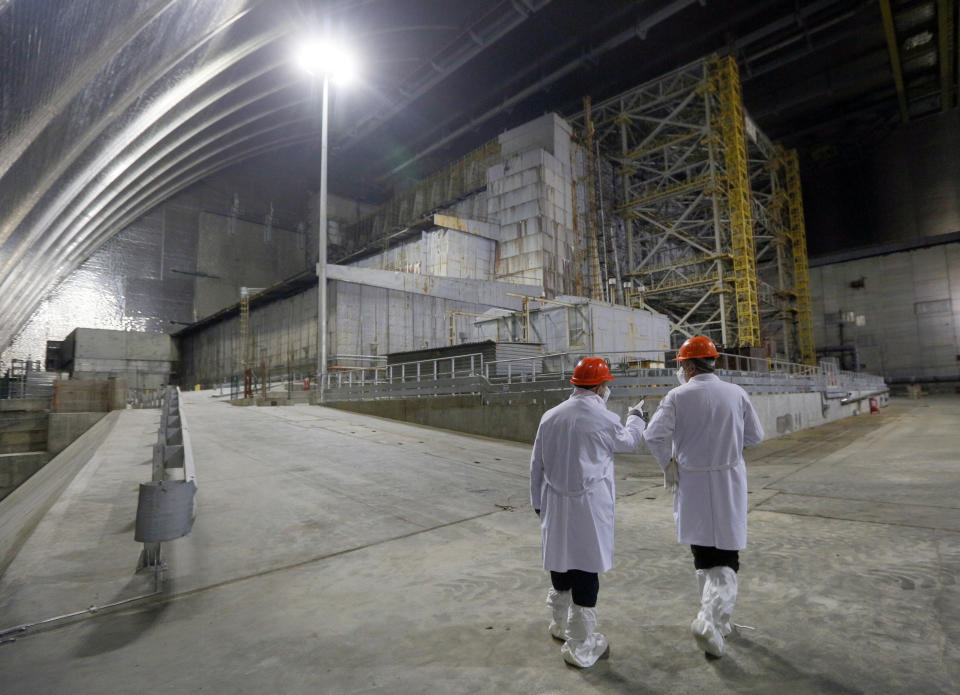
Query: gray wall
{"type": "Point", "coordinates": [907, 187]}
{"type": "Point", "coordinates": [516, 418]}
{"type": "Point", "coordinates": [245, 231]}
{"type": "Point", "coordinates": [910, 305]}
{"type": "Point", "coordinates": [284, 333]}
{"type": "Point", "coordinates": [242, 254]}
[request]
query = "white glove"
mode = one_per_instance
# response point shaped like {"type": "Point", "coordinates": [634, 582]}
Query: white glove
{"type": "Point", "coordinates": [638, 411]}
{"type": "Point", "coordinates": [671, 476]}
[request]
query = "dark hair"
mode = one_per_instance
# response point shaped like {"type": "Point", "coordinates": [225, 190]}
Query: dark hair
{"type": "Point", "coordinates": [703, 364]}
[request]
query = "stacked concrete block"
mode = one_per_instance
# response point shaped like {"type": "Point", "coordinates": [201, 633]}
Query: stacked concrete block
{"type": "Point", "coordinates": [23, 441]}
{"type": "Point", "coordinates": [441, 252]}
{"type": "Point", "coordinates": [89, 396]}
{"type": "Point", "coordinates": [144, 359]}
{"type": "Point", "coordinates": [530, 196]}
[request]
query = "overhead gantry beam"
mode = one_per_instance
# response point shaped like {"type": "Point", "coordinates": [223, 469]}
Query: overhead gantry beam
{"type": "Point", "coordinates": [893, 48]}
{"type": "Point", "coordinates": [945, 31]}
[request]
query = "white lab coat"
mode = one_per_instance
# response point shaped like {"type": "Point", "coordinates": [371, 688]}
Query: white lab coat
{"type": "Point", "coordinates": [572, 484]}
{"type": "Point", "coordinates": [704, 425]}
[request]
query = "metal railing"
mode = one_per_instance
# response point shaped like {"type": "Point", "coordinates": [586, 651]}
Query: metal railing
{"type": "Point", "coordinates": [166, 508]}
{"type": "Point", "coordinates": [26, 379]}
{"type": "Point", "coordinates": [644, 369]}
{"type": "Point", "coordinates": [458, 366]}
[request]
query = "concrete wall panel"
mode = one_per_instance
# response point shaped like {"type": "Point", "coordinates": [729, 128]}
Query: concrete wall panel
{"type": "Point", "coordinates": [910, 303]}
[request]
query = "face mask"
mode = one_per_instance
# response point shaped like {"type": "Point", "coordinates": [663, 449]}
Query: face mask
{"type": "Point", "coordinates": [606, 393]}
{"type": "Point", "coordinates": [681, 377]}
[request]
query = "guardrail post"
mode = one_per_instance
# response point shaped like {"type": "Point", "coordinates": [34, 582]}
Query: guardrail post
{"type": "Point", "coordinates": [453, 367]}
{"type": "Point", "coordinates": [403, 373]}
{"type": "Point", "coordinates": [471, 365]}
{"type": "Point", "coordinates": [434, 370]}
{"type": "Point", "coordinates": [166, 508]}
{"type": "Point", "coordinates": [418, 372]}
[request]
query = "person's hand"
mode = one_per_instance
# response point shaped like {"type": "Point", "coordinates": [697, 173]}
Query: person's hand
{"type": "Point", "coordinates": [638, 410]}
{"type": "Point", "coordinates": [671, 477]}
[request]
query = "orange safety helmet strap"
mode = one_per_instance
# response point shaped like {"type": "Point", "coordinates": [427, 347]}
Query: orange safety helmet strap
{"type": "Point", "coordinates": [591, 371]}
{"type": "Point", "coordinates": [698, 346]}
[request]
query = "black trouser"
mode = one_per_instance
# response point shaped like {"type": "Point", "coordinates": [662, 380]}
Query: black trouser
{"type": "Point", "coordinates": [705, 557]}
{"type": "Point", "coordinates": [584, 586]}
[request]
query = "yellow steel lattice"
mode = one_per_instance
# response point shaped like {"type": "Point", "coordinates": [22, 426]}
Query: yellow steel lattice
{"type": "Point", "coordinates": [725, 81]}
{"type": "Point", "coordinates": [801, 271]}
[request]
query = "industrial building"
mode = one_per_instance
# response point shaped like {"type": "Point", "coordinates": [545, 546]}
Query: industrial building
{"type": "Point", "coordinates": [286, 287]}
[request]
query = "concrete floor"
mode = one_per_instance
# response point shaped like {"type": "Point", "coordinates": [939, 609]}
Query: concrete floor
{"type": "Point", "coordinates": [339, 553]}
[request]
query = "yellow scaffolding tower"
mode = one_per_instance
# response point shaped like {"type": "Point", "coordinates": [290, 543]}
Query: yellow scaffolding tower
{"type": "Point", "coordinates": [596, 283]}
{"type": "Point", "coordinates": [725, 80]}
{"type": "Point", "coordinates": [801, 270]}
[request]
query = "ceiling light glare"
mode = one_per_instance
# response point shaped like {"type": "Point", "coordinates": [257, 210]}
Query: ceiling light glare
{"type": "Point", "coordinates": [323, 57]}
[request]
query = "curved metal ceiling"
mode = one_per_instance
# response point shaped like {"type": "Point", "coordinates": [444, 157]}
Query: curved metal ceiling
{"type": "Point", "coordinates": [109, 108]}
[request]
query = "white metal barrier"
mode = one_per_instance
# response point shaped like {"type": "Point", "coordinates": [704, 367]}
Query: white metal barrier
{"type": "Point", "coordinates": [166, 508]}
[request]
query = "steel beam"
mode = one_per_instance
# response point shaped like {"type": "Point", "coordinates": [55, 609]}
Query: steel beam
{"type": "Point", "coordinates": [893, 48]}
{"type": "Point", "coordinates": [945, 29]}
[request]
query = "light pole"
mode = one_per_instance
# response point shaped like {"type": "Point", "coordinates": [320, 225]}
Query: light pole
{"type": "Point", "coordinates": [326, 59]}
{"type": "Point", "coordinates": [322, 250]}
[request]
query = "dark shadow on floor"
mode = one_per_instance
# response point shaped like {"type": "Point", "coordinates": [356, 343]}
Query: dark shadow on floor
{"type": "Point", "coordinates": [779, 674]}
{"type": "Point", "coordinates": [114, 631]}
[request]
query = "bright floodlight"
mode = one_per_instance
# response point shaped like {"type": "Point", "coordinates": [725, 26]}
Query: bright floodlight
{"type": "Point", "coordinates": [326, 58]}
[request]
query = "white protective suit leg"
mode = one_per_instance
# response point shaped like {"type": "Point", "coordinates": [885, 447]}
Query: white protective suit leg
{"type": "Point", "coordinates": [559, 602]}
{"type": "Point", "coordinates": [725, 580]}
{"type": "Point", "coordinates": [584, 646]}
{"type": "Point", "coordinates": [717, 599]}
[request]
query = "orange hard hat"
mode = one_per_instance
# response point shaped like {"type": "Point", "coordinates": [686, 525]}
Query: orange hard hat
{"type": "Point", "coordinates": [591, 371]}
{"type": "Point", "coordinates": [697, 346]}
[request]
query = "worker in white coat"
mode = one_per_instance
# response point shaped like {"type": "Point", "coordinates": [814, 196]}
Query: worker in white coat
{"type": "Point", "coordinates": [697, 435]}
{"type": "Point", "coordinates": [572, 491]}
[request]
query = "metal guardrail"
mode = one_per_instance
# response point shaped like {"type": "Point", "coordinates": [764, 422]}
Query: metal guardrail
{"type": "Point", "coordinates": [167, 506]}
{"type": "Point", "coordinates": [445, 376]}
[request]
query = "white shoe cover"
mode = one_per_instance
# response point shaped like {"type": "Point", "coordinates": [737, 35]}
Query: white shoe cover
{"type": "Point", "coordinates": [559, 602]}
{"type": "Point", "coordinates": [724, 580]}
{"type": "Point", "coordinates": [707, 636]}
{"type": "Point", "coordinates": [717, 599]}
{"type": "Point", "coordinates": [584, 646]}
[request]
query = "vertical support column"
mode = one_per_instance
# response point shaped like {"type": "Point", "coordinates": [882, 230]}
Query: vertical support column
{"type": "Point", "coordinates": [800, 268]}
{"type": "Point", "coordinates": [784, 246]}
{"type": "Point", "coordinates": [727, 82]}
{"type": "Point", "coordinates": [577, 251]}
{"type": "Point", "coordinates": [623, 119]}
{"type": "Point", "coordinates": [597, 282]}
{"type": "Point", "coordinates": [715, 193]}
{"type": "Point", "coordinates": [245, 356]}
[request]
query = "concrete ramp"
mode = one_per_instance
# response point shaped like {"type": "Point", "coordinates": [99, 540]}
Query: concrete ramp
{"type": "Point", "coordinates": [341, 553]}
